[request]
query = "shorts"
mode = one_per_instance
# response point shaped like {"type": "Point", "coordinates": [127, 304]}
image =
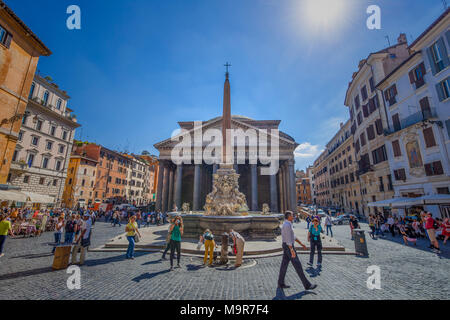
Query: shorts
{"type": "Point", "coordinates": [411, 239]}
{"type": "Point", "coordinates": [432, 234]}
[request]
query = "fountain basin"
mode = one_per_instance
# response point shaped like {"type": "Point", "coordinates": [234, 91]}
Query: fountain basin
{"type": "Point", "coordinates": [253, 226]}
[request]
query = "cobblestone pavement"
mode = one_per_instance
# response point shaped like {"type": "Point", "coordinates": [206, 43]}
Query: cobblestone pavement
{"type": "Point", "coordinates": [406, 273]}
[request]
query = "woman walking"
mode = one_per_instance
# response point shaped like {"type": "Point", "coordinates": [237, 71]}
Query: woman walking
{"type": "Point", "coordinates": [5, 228]}
{"type": "Point", "coordinates": [372, 226]}
{"type": "Point", "coordinates": [314, 238]}
{"type": "Point", "coordinates": [176, 231]}
{"type": "Point", "coordinates": [58, 232]}
{"type": "Point", "coordinates": [208, 238]}
{"type": "Point", "coordinates": [131, 229]}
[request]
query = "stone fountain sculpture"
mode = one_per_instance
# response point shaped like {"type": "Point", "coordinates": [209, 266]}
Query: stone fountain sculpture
{"type": "Point", "coordinates": [265, 209]}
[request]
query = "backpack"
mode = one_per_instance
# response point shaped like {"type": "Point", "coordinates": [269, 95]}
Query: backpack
{"type": "Point", "coordinates": [435, 225]}
{"type": "Point", "coordinates": [70, 226]}
{"type": "Point", "coordinates": [209, 236]}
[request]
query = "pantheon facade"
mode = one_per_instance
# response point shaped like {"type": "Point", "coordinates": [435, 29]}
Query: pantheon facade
{"type": "Point", "coordinates": [191, 183]}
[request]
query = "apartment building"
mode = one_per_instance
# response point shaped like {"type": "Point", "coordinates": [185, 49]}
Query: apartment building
{"type": "Point", "coordinates": [44, 143]}
{"type": "Point", "coordinates": [417, 97]}
{"type": "Point", "coordinates": [20, 50]}
{"type": "Point", "coordinates": [321, 180]}
{"type": "Point", "coordinates": [369, 119]}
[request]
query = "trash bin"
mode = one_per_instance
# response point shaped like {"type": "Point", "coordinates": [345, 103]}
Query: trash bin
{"type": "Point", "coordinates": [61, 257]}
{"type": "Point", "coordinates": [360, 242]}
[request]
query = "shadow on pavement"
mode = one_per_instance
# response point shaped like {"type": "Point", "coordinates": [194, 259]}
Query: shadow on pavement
{"type": "Point", "coordinates": [280, 295]}
{"type": "Point", "coordinates": [146, 276]}
{"type": "Point", "coordinates": [313, 272]}
{"type": "Point", "coordinates": [33, 256]}
{"type": "Point", "coordinates": [27, 273]}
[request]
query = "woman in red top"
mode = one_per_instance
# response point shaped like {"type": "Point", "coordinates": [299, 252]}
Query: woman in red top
{"type": "Point", "coordinates": [446, 229]}
{"type": "Point", "coordinates": [429, 226]}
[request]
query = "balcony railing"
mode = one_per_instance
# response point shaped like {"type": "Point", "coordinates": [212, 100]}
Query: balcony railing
{"type": "Point", "coordinates": [413, 119]}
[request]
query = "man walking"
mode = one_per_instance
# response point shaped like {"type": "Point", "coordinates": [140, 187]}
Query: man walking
{"type": "Point", "coordinates": [290, 255]}
{"type": "Point", "coordinates": [83, 241]}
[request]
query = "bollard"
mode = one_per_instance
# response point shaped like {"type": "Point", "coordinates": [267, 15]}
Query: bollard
{"type": "Point", "coordinates": [360, 243]}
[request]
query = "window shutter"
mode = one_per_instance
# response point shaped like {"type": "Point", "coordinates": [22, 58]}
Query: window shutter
{"type": "Point", "coordinates": [432, 64]}
{"type": "Point", "coordinates": [394, 87]}
{"type": "Point", "coordinates": [425, 107]}
{"type": "Point", "coordinates": [379, 126]}
{"type": "Point", "coordinates": [8, 40]}
{"type": "Point", "coordinates": [403, 174]}
{"type": "Point", "coordinates": [428, 169]}
{"type": "Point", "coordinates": [422, 68]}
{"type": "Point", "coordinates": [429, 137]}
{"type": "Point", "coordinates": [386, 95]}
{"type": "Point", "coordinates": [437, 166]}
{"type": "Point", "coordinates": [443, 52]}
{"type": "Point", "coordinates": [396, 121]}
{"type": "Point", "coordinates": [365, 111]}
{"type": "Point", "coordinates": [411, 77]}
{"type": "Point", "coordinates": [440, 92]}
{"type": "Point", "coordinates": [396, 147]}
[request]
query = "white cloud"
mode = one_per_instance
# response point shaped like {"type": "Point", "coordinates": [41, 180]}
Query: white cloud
{"type": "Point", "coordinates": [307, 151]}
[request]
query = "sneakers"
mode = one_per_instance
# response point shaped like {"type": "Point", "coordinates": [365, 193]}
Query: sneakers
{"type": "Point", "coordinates": [310, 264]}
{"type": "Point", "coordinates": [171, 269]}
{"type": "Point", "coordinates": [313, 286]}
{"type": "Point", "coordinates": [178, 266]}
{"type": "Point", "coordinates": [163, 258]}
{"type": "Point", "coordinates": [319, 265]}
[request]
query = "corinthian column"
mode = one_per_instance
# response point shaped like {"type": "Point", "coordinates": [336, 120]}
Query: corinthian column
{"type": "Point", "coordinates": [254, 186]}
{"type": "Point", "coordinates": [197, 187]}
{"type": "Point", "coordinates": [159, 188]}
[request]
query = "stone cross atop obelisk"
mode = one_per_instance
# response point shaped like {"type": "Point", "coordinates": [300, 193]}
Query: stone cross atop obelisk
{"type": "Point", "coordinates": [226, 120]}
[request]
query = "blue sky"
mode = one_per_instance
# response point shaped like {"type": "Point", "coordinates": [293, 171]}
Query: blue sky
{"type": "Point", "coordinates": [137, 67]}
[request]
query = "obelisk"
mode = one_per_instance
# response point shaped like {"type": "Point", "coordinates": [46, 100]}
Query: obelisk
{"type": "Point", "coordinates": [226, 120]}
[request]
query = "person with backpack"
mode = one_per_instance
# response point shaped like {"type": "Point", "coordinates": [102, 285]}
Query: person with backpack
{"type": "Point", "coordinates": [328, 225]}
{"type": "Point", "coordinates": [308, 221]}
{"type": "Point", "coordinates": [208, 239]}
{"type": "Point", "coordinates": [314, 238]}
{"type": "Point", "coordinates": [430, 227]}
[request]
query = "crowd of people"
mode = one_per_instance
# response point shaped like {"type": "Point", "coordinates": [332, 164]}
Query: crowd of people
{"type": "Point", "coordinates": [411, 228]}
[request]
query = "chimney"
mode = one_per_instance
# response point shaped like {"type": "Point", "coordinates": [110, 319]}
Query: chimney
{"type": "Point", "coordinates": [402, 38]}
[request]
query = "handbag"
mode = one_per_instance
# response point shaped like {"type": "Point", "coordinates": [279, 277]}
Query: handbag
{"type": "Point", "coordinates": [136, 238]}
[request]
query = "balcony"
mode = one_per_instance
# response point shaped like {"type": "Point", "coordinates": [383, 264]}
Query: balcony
{"type": "Point", "coordinates": [413, 119]}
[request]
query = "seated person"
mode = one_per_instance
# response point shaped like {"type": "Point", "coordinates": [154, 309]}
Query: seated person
{"type": "Point", "coordinates": [408, 235]}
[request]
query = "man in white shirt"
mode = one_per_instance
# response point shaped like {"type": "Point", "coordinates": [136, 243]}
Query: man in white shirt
{"type": "Point", "coordinates": [290, 255]}
{"type": "Point", "coordinates": [83, 241]}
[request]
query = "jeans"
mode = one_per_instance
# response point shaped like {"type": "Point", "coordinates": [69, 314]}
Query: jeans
{"type": "Point", "coordinates": [130, 250]}
{"type": "Point", "coordinates": [307, 227]}
{"type": "Point", "coordinates": [209, 250]}
{"type": "Point", "coordinates": [117, 221]}
{"type": "Point", "coordinates": [57, 240]}
{"type": "Point", "coordinates": [287, 257]}
{"type": "Point", "coordinates": [329, 228]}
{"type": "Point", "coordinates": [175, 245]}
{"type": "Point", "coordinates": [2, 243]}
{"type": "Point", "coordinates": [68, 237]}
{"type": "Point", "coordinates": [315, 244]}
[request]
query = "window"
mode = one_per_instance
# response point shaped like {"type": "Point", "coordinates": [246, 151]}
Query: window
{"type": "Point", "coordinates": [390, 186]}
{"type": "Point", "coordinates": [39, 125]}
{"type": "Point", "coordinates": [379, 155]}
{"type": "Point", "coordinates": [434, 168]}
{"type": "Point", "coordinates": [396, 122]}
{"type": "Point", "coordinates": [49, 145]}
{"type": "Point", "coordinates": [372, 85]}
{"type": "Point", "coordinates": [55, 182]}
{"type": "Point", "coordinates": [45, 163]}
{"type": "Point", "coordinates": [363, 139]}
{"type": "Point", "coordinates": [58, 165]}
{"type": "Point", "coordinates": [381, 184]}
{"type": "Point", "coordinates": [83, 182]}
{"type": "Point", "coordinates": [438, 57]}
{"type": "Point", "coordinates": [20, 136]}
{"type": "Point", "coordinates": [35, 141]}
{"type": "Point", "coordinates": [425, 108]}
{"type": "Point", "coordinates": [396, 147]}
{"type": "Point", "coordinates": [365, 109]}
{"type": "Point", "coordinates": [416, 76]}
{"type": "Point", "coordinates": [24, 119]}
{"type": "Point", "coordinates": [443, 90]}
{"type": "Point", "coordinates": [370, 132]}
{"type": "Point", "coordinates": [359, 118]}
{"type": "Point", "coordinates": [52, 130]}
{"type": "Point", "coordinates": [5, 37]}
{"type": "Point", "coordinates": [444, 190]}
{"type": "Point", "coordinates": [390, 95]}
{"type": "Point", "coordinates": [33, 86]}
{"type": "Point", "coordinates": [429, 137]}
{"type": "Point", "coordinates": [400, 174]}
{"type": "Point", "coordinates": [364, 93]}
{"type": "Point", "coordinates": [26, 179]}
{"type": "Point", "coordinates": [46, 95]}
{"type": "Point", "coordinates": [41, 181]}
{"type": "Point", "coordinates": [357, 102]}
{"type": "Point", "coordinates": [58, 104]}
{"type": "Point", "coordinates": [379, 126]}
{"type": "Point", "coordinates": [16, 153]}
{"type": "Point", "coordinates": [30, 159]}
{"type": "Point", "coordinates": [70, 181]}
{"type": "Point", "coordinates": [61, 148]}
{"type": "Point", "coordinates": [64, 136]}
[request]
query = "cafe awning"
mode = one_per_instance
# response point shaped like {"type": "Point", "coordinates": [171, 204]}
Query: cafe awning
{"type": "Point", "coordinates": [12, 195]}
{"type": "Point", "coordinates": [38, 198]}
{"type": "Point", "coordinates": [388, 202]}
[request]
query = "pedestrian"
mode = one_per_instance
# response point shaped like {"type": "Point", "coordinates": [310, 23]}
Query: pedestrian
{"type": "Point", "coordinates": [238, 243]}
{"type": "Point", "coordinates": [83, 241]}
{"type": "Point", "coordinates": [176, 230]}
{"type": "Point", "coordinates": [391, 223]}
{"type": "Point", "coordinates": [58, 232]}
{"type": "Point", "coordinates": [446, 229]}
{"type": "Point", "coordinates": [116, 218]}
{"type": "Point", "coordinates": [148, 219]}
{"type": "Point", "coordinates": [5, 228]}
{"type": "Point", "coordinates": [328, 225]}
{"type": "Point", "coordinates": [131, 229]}
{"type": "Point", "coordinates": [168, 237]}
{"type": "Point", "coordinates": [430, 227]}
{"type": "Point", "coordinates": [316, 242]}
{"type": "Point", "coordinates": [70, 230]}
{"type": "Point", "coordinates": [208, 239]}
{"type": "Point", "coordinates": [408, 235]}
{"type": "Point", "coordinates": [353, 224]}
{"type": "Point", "coordinates": [290, 254]}
{"type": "Point", "coordinates": [308, 221]}
{"type": "Point", "coordinates": [372, 226]}
{"type": "Point", "coordinates": [139, 218]}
